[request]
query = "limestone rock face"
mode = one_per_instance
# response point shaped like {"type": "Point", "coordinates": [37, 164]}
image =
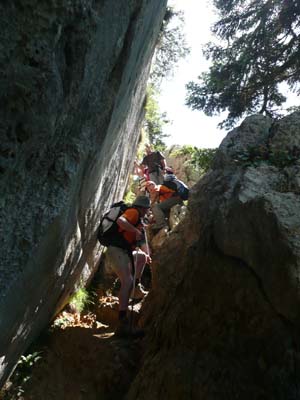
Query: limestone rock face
{"type": "Point", "coordinates": [72, 84]}
{"type": "Point", "coordinates": [223, 318]}
{"type": "Point", "coordinates": [181, 167]}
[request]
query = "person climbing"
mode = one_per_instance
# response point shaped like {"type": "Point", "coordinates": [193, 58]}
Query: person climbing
{"type": "Point", "coordinates": [128, 256]}
{"type": "Point", "coordinates": [156, 163]}
{"type": "Point", "coordinates": [163, 199]}
{"type": "Point", "coordinates": [143, 175]}
{"type": "Point", "coordinates": [169, 174]}
{"type": "Point", "coordinates": [171, 181]}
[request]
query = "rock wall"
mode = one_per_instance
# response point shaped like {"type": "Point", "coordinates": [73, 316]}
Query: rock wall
{"type": "Point", "coordinates": [181, 167]}
{"type": "Point", "coordinates": [223, 319]}
{"type": "Point", "coordinates": [72, 84]}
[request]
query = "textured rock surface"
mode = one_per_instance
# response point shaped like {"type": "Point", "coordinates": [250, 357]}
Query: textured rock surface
{"type": "Point", "coordinates": [181, 167]}
{"type": "Point", "coordinates": [72, 80]}
{"type": "Point", "coordinates": [223, 317]}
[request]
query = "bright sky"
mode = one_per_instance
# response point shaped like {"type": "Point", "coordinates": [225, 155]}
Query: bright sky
{"type": "Point", "coordinates": [190, 127]}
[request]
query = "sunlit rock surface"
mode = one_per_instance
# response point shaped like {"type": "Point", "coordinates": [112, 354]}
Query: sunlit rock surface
{"type": "Point", "coordinates": [223, 317]}
{"type": "Point", "coordinates": [72, 84]}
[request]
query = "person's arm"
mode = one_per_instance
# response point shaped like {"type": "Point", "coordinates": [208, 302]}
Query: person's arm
{"type": "Point", "coordinates": [138, 169]}
{"type": "Point", "coordinates": [154, 197]}
{"type": "Point", "coordinates": [163, 164]}
{"type": "Point", "coordinates": [127, 226]}
{"type": "Point", "coordinates": [146, 250]}
{"type": "Point", "coordinates": [161, 160]}
{"type": "Point", "coordinates": [143, 163]}
{"type": "Point", "coordinates": [143, 167]}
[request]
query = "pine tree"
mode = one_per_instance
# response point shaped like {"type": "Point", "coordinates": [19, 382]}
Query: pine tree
{"type": "Point", "coordinates": [260, 48]}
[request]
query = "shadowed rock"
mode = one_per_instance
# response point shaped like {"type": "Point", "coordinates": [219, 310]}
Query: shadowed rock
{"type": "Point", "coordinates": [72, 84]}
{"type": "Point", "coordinates": [223, 316]}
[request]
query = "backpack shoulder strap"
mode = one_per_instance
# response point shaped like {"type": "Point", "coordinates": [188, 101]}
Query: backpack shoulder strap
{"type": "Point", "coordinates": [170, 185]}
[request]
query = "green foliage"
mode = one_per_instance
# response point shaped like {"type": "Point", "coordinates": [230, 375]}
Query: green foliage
{"type": "Point", "coordinates": [154, 120]}
{"type": "Point", "coordinates": [293, 109]}
{"type": "Point", "coordinates": [170, 48]}
{"type": "Point", "coordinates": [81, 299]}
{"type": "Point", "coordinates": [259, 50]}
{"type": "Point", "coordinates": [199, 159]}
{"type": "Point", "coordinates": [21, 376]}
{"type": "Point", "coordinates": [25, 365]}
{"type": "Point", "coordinates": [130, 194]}
{"type": "Point", "coordinates": [59, 323]}
{"type": "Point", "coordinates": [255, 156]}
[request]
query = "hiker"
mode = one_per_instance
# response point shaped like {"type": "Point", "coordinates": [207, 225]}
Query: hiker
{"type": "Point", "coordinates": [156, 164]}
{"type": "Point", "coordinates": [169, 174]}
{"type": "Point", "coordinates": [130, 251]}
{"type": "Point", "coordinates": [171, 181]}
{"type": "Point", "coordinates": [143, 175]}
{"type": "Point", "coordinates": [163, 199]}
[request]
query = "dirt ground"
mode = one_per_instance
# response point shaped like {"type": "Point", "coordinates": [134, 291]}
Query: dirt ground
{"type": "Point", "coordinates": [81, 358]}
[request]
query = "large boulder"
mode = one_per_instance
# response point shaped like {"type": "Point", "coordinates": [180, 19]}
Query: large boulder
{"type": "Point", "coordinates": [223, 319]}
{"type": "Point", "coordinates": [72, 84]}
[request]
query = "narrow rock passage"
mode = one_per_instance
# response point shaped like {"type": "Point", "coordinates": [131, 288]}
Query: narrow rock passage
{"type": "Point", "coordinates": [84, 363]}
{"type": "Point", "coordinates": [81, 358]}
{"type": "Point", "coordinates": [81, 362]}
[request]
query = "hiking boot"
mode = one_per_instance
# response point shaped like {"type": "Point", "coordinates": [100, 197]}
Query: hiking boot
{"type": "Point", "coordinates": [125, 330]}
{"type": "Point", "coordinates": [138, 293]}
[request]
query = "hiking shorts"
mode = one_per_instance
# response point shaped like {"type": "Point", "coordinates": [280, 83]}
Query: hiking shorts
{"type": "Point", "coordinates": [119, 259]}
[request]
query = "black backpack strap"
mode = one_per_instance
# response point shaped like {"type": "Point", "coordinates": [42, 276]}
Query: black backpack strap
{"type": "Point", "coordinates": [170, 185]}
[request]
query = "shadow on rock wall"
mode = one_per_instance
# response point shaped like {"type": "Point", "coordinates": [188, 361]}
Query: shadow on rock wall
{"type": "Point", "coordinates": [73, 77]}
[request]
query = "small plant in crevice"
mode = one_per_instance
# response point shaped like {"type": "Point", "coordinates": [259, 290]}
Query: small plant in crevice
{"type": "Point", "coordinates": [78, 310]}
{"type": "Point", "coordinates": [21, 376]}
{"type": "Point", "coordinates": [131, 191]}
{"type": "Point", "coordinates": [81, 299]}
{"type": "Point", "coordinates": [255, 156]}
{"type": "Point", "coordinates": [60, 322]}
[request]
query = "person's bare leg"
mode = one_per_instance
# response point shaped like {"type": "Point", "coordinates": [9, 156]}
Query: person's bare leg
{"type": "Point", "coordinates": [140, 261]}
{"type": "Point", "coordinates": [126, 280]}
